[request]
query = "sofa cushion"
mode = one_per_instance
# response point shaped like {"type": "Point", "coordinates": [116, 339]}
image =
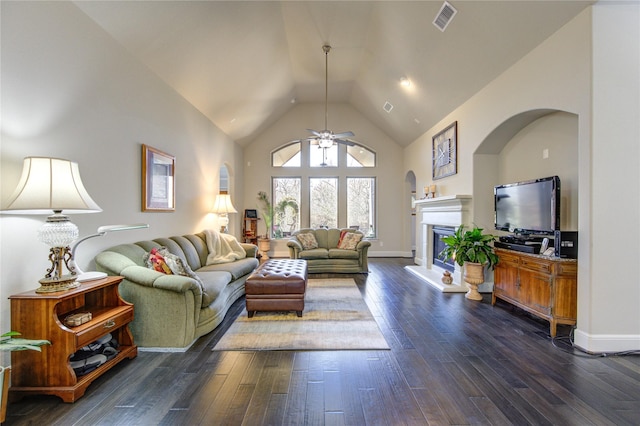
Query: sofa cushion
{"type": "Point", "coordinates": [308, 240]}
{"type": "Point", "coordinates": [317, 253]}
{"type": "Point", "coordinates": [337, 253]}
{"type": "Point", "coordinates": [237, 269]}
{"type": "Point", "coordinates": [350, 241]}
{"type": "Point", "coordinates": [213, 283]}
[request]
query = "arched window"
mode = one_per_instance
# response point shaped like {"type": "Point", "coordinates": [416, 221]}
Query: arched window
{"type": "Point", "coordinates": [346, 198]}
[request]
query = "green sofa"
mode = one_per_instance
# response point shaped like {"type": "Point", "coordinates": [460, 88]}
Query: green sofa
{"type": "Point", "coordinates": [172, 311]}
{"type": "Point", "coordinates": [327, 257]}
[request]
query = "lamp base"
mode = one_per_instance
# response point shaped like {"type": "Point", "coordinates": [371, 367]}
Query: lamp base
{"type": "Point", "coordinates": [53, 285]}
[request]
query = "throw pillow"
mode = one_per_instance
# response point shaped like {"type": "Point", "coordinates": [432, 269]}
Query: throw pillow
{"type": "Point", "coordinates": [155, 260]}
{"type": "Point", "coordinates": [171, 262]}
{"type": "Point", "coordinates": [342, 234]}
{"type": "Point", "coordinates": [350, 241]}
{"type": "Point", "coordinates": [308, 240]}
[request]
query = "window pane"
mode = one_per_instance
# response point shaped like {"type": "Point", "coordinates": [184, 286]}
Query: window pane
{"type": "Point", "coordinates": [286, 206]}
{"type": "Point", "coordinates": [360, 204]}
{"type": "Point", "coordinates": [323, 204]}
{"type": "Point", "coordinates": [323, 157]}
{"type": "Point", "coordinates": [287, 156]}
{"type": "Point", "coordinates": [359, 156]}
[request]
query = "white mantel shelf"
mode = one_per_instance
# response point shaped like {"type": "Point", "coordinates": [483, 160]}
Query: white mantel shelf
{"type": "Point", "coordinates": [446, 199]}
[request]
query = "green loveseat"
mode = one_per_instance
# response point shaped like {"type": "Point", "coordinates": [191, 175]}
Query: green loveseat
{"type": "Point", "coordinates": [327, 257]}
{"type": "Point", "coordinates": [172, 311]}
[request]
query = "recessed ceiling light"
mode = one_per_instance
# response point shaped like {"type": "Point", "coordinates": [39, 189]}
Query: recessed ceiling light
{"type": "Point", "coordinates": [404, 81]}
{"type": "Point", "coordinates": [387, 106]}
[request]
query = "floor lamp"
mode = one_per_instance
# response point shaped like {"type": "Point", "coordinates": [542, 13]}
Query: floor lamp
{"type": "Point", "coordinates": [46, 185]}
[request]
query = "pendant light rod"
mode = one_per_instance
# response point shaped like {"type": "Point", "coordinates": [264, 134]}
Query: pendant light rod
{"type": "Point", "coordinates": [326, 48]}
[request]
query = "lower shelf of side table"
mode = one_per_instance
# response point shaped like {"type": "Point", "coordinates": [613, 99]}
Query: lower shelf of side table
{"type": "Point", "coordinates": [72, 393]}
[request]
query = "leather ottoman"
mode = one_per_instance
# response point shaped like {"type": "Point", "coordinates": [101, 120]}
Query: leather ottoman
{"type": "Point", "coordinates": [277, 285]}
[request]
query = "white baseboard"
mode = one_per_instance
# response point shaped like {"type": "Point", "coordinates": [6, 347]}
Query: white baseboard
{"type": "Point", "coordinates": [606, 343]}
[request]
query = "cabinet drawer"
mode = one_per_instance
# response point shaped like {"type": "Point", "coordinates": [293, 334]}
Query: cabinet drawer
{"type": "Point", "coordinates": [536, 265]}
{"type": "Point", "coordinates": [103, 323]}
{"type": "Point", "coordinates": [569, 268]}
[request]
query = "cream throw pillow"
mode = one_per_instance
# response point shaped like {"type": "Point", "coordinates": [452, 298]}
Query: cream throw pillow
{"type": "Point", "coordinates": [350, 241]}
{"type": "Point", "coordinates": [308, 240]}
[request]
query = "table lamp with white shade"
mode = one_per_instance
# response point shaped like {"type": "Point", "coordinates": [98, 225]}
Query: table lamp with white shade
{"type": "Point", "coordinates": [222, 207]}
{"type": "Point", "coordinates": [53, 185]}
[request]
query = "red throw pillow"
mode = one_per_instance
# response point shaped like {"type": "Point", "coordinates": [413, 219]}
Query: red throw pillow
{"type": "Point", "coordinates": [342, 234]}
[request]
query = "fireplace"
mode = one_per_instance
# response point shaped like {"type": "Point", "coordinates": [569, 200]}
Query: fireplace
{"type": "Point", "coordinates": [435, 216]}
{"type": "Point", "coordinates": [438, 246]}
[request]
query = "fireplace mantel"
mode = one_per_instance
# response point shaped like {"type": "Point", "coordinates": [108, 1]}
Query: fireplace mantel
{"type": "Point", "coordinates": [451, 210]}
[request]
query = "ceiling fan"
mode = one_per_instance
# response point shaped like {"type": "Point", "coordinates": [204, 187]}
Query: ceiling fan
{"type": "Point", "coordinates": [326, 138]}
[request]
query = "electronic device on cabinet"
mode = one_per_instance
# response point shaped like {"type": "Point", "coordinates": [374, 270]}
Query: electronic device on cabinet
{"type": "Point", "coordinates": [530, 212]}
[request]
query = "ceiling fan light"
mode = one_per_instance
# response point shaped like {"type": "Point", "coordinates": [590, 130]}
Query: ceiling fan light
{"type": "Point", "coordinates": [325, 143]}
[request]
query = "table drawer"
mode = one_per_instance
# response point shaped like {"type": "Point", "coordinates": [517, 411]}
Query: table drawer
{"type": "Point", "coordinates": [102, 325]}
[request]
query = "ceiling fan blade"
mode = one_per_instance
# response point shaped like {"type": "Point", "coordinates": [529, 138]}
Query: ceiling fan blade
{"type": "Point", "coordinates": [345, 142]}
{"type": "Point", "coordinates": [343, 135]}
{"type": "Point", "coordinates": [314, 132]}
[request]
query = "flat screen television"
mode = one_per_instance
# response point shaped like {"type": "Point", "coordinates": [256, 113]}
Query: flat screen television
{"type": "Point", "coordinates": [528, 207]}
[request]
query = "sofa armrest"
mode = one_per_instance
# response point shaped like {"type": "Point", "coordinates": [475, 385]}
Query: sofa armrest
{"type": "Point", "coordinates": [250, 249]}
{"type": "Point", "coordinates": [294, 248]}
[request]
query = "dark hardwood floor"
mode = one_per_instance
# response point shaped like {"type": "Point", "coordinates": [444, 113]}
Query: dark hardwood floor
{"type": "Point", "coordinates": [452, 361]}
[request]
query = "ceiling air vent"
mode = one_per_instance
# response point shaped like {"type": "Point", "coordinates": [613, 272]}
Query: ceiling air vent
{"type": "Point", "coordinates": [387, 106]}
{"type": "Point", "coordinates": [444, 16]}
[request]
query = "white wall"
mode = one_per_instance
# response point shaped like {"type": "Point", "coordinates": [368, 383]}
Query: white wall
{"type": "Point", "coordinates": [557, 75]}
{"type": "Point", "coordinates": [609, 318]}
{"type": "Point", "coordinates": [70, 91]}
{"type": "Point", "coordinates": [392, 203]}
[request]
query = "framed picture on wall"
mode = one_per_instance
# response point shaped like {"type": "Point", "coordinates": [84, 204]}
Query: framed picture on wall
{"type": "Point", "coordinates": [158, 180]}
{"type": "Point", "coordinates": [444, 152]}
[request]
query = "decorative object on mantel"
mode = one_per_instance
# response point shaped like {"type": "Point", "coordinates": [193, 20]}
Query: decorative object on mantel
{"type": "Point", "coordinates": [53, 185]}
{"type": "Point", "coordinates": [447, 278]}
{"type": "Point", "coordinates": [158, 180]}
{"type": "Point", "coordinates": [472, 250]}
{"type": "Point", "coordinates": [444, 152]}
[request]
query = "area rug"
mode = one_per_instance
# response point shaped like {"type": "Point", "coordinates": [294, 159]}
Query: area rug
{"type": "Point", "coordinates": [335, 317]}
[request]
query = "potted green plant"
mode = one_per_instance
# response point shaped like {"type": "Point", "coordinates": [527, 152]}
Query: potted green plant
{"type": "Point", "coordinates": [472, 250]}
{"type": "Point", "coordinates": [9, 343]}
{"type": "Point", "coordinates": [265, 207]}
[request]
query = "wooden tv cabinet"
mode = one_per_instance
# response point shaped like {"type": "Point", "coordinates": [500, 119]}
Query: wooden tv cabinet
{"type": "Point", "coordinates": [543, 286]}
{"type": "Point", "coordinates": [41, 316]}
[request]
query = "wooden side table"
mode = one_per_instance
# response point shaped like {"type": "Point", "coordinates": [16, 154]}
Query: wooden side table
{"type": "Point", "coordinates": [41, 316]}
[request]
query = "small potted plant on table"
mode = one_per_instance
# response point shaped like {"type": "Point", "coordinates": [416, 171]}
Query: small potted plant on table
{"type": "Point", "coordinates": [472, 250]}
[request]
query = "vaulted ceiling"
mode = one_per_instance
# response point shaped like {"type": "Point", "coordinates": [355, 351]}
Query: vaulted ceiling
{"type": "Point", "coordinates": [245, 64]}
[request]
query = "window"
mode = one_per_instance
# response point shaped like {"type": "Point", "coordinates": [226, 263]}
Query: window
{"type": "Point", "coordinates": [361, 204]}
{"type": "Point", "coordinates": [359, 156]}
{"type": "Point", "coordinates": [323, 202]}
{"type": "Point", "coordinates": [323, 157]}
{"type": "Point", "coordinates": [287, 156]}
{"type": "Point", "coordinates": [286, 206]}
{"type": "Point", "coordinates": [329, 201]}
